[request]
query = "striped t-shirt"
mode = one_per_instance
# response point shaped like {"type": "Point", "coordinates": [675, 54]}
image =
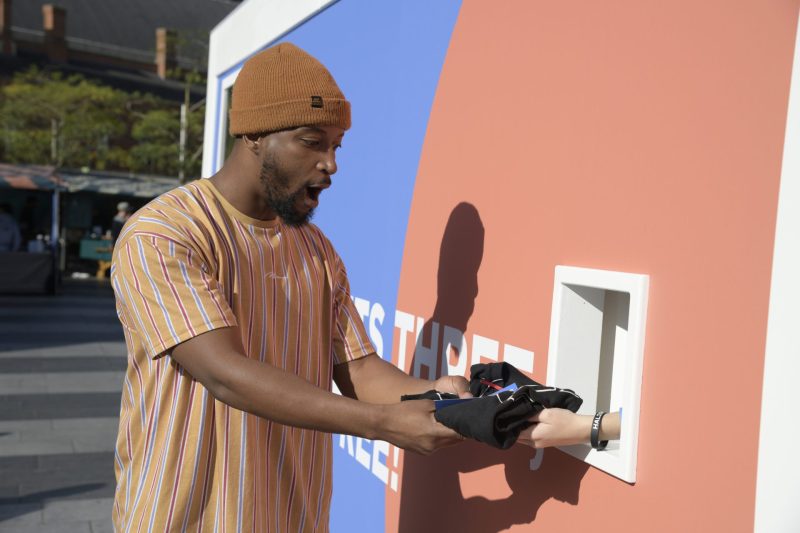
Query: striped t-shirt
{"type": "Point", "coordinates": [187, 263]}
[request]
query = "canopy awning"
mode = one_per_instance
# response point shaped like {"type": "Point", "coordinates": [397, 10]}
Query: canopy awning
{"type": "Point", "coordinates": [30, 177]}
{"type": "Point", "coordinates": [46, 178]}
{"type": "Point", "coordinates": [118, 183]}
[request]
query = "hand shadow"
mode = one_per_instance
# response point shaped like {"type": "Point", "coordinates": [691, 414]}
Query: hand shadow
{"type": "Point", "coordinates": [432, 498]}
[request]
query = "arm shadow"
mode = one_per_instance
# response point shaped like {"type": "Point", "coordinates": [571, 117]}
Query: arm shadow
{"type": "Point", "coordinates": [455, 489]}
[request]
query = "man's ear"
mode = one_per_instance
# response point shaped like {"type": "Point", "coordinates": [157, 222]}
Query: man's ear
{"type": "Point", "coordinates": [251, 141]}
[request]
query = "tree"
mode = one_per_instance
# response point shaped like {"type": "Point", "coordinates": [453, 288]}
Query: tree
{"type": "Point", "coordinates": [156, 147]}
{"type": "Point", "coordinates": [47, 117]}
{"type": "Point", "coordinates": [64, 121]}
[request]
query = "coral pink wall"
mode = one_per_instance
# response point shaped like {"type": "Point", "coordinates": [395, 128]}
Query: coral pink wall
{"type": "Point", "coordinates": [639, 136]}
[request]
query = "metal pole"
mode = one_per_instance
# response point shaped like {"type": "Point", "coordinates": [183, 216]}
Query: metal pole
{"type": "Point", "coordinates": [54, 227]}
{"type": "Point", "coordinates": [182, 144]}
{"type": "Point", "coordinates": [54, 238]}
{"type": "Point", "coordinates": [53, 141]}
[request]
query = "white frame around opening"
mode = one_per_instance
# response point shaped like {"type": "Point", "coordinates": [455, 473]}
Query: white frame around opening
{"type": "Point", "coordinates": [596, 348]}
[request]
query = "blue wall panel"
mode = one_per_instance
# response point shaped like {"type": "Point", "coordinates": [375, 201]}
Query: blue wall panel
{"type": "Point", "coordinates": [387, 58]}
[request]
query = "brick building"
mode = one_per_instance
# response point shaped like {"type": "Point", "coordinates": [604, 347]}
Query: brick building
{"type": "Point", "coordinates": [131, 44]}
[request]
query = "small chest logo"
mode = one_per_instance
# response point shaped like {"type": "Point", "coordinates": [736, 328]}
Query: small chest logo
{"type": "Point", "coordinates": [316, 101]}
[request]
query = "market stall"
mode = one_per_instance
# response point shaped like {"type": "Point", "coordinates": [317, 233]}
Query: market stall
{"type": "Point", "coordinates": [32, 194]}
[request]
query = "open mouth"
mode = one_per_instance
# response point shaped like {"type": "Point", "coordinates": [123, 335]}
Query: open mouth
{"type": "Point", "coordinates": [313, 192]}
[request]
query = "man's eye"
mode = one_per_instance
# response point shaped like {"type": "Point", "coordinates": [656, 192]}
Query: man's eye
{"type": "Point", "coordinates": [310, 142]}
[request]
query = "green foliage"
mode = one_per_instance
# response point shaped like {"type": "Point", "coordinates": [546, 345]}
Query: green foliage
{"type": "Point", "coordinates": [49, 118]}
{"type": "Point", "coordinates": [157, 134]}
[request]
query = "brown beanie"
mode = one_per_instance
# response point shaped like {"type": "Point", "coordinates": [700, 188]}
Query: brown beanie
{"type": "Point", "coordinates": [283, 87]}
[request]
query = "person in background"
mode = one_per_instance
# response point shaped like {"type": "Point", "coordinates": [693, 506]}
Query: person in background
{"type": "Point", "coordinates": [123, 214]}
{"type": "Point", "coordinates": [10, 239]}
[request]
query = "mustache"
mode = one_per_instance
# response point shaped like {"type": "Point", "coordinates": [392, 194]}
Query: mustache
{"type": "Point", "coordinates": [326, 182]}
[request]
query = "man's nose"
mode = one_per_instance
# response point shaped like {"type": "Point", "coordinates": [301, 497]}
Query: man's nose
{"type": "Point", "coordinates": [328, 163]}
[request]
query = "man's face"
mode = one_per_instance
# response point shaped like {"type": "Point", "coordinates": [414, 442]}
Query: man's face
{"type": "Point", "coordinates": [296, 166]}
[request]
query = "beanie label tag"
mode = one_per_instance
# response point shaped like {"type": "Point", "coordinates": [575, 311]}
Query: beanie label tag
{"type": "Point", "coordinates": [316, 101]}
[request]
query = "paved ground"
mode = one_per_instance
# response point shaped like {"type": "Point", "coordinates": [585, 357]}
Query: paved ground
{"type": "Point", "coordinates": [62, 360]}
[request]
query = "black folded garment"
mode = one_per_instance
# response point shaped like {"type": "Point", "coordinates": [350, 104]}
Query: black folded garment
{"type": "Point", "coordinates": [497, 419]}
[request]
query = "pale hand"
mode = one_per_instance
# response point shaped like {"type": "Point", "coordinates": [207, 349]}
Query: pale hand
{"type": "Point", "coordinates": [556, 427]}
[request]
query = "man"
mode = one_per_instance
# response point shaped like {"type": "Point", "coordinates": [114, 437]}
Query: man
{"type": "Point", "coordinates": [237, 315]}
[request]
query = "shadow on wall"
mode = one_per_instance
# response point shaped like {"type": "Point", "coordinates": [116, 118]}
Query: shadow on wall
{"type": "Point", "coordinates": [433, 498]}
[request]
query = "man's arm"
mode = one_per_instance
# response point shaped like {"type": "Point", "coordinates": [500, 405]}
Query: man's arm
{"type": "Point", "coordinates": [216, 359]}
{"type": "Point", "coordinates": [372, 379]}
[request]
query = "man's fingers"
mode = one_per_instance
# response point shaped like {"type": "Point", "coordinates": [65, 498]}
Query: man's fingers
{"type": "Point", "coordinates": [450, 433]}
{"type": "Point", "coordinates": [452, 384]}
{"type": "Point", "coordinates": [459, 384]}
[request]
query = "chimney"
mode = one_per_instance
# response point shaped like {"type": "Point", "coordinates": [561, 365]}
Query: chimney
{"type": "Point", "coordinates": [165, 51]}
{"type": "Point", "coordinates": [55, 26]}
{"type": "Point", "coordinates": [6, 43]}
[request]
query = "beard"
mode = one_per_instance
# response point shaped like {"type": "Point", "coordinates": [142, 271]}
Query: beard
{"type": "Point", "coordinates": [276, 186]}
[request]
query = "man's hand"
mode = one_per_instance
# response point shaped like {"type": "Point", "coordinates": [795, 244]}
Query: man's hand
{"type": "Point", "coordinates": [454, 385]}
{"type": "Point", "coordinates": [556, 427]}
{"type": "Point", "coordinates": [410, 425]}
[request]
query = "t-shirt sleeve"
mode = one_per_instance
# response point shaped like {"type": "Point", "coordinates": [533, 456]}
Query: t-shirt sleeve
{"type": "Point", "coordinates": [350, 339]}
{"type": "Point", "coordinates": [166, 293]}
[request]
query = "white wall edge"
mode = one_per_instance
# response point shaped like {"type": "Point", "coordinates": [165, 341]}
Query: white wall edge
{"type": "Point", "coordinates": [778, 478]}
{"type": "Point", "coordinates": [252, 25]}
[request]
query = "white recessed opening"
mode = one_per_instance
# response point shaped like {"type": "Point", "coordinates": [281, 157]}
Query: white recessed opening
{"type": "Point", "coordinates": [596, 347]}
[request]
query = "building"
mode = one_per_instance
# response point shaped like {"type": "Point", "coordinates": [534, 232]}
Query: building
{"type": "Point", "coordinates": [509, 163]}
{"type": "Point", "coordinates": [131, 45]}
